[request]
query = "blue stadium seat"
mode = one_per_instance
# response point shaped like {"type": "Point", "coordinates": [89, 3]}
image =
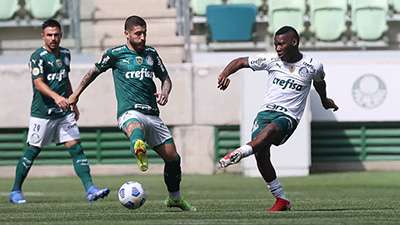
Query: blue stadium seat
{"type": "Point", "coordinates": [199, 6]}
{"type": "Point", "coordinates": [231, 22]}
{"type": "Point", "coordinates": [369, 18]}
{"type": "Point", "coordinates": [43, 9]}
{"type": "Point", "coordinates": [286, 13]}
{"type": "Point", "coordinates": [8, 9]}
{"type": "Point", "coordinates": [328, 18]}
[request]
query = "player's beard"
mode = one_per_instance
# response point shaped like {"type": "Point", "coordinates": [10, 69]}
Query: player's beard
{"type": "Point", "coordinates": [138, 46]}
{"type": "Point", "coordinates": [52, 46]}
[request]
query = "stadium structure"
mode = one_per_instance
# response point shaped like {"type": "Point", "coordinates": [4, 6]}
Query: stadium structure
{"type": "Point", "coordinates": [356, 40]}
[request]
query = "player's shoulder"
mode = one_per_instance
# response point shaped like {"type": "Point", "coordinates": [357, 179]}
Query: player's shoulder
{"type": "Point", "coordinates": [150, 50]}
{"type": "Point", "coordinates": [116, 50]}
{"type": "Point", "coordinates": [311, 61]}
{"type": "Point", "coordinates": [65, 51]}
{"type": "Point", "coordinates": [263, 59]}
{"type": "Point", "coordinates": [39, 52]}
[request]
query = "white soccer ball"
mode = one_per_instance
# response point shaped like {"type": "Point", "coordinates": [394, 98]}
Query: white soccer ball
{"type": "Point", "coordinates": [132, 195]}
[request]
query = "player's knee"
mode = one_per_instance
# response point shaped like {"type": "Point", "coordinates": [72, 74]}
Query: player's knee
{"type": "Point", "coordinates": [70, 144]}
{"type": "Point", "coordinates": [130, 127]}
{"type": "Point", "coordinates": [173, 160]}
{"type": "Point", "coordinates": [76, 150]}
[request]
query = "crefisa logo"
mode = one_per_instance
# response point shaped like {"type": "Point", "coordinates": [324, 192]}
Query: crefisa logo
{"type": "Point", "coordinates": [369, 91]}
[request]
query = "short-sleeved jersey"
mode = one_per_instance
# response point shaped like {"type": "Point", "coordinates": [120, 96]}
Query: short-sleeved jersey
{"type": "Point", "coordinates": [289, 83]}
{"type": "Point", "coordinates": [54, 70]}
{"type": "Point", "coordinates": [133, 77]}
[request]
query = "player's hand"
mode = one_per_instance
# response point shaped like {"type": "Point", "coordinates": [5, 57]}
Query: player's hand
{"type": "Point", "coordinates": [329, 104]}
{"type": "Point", "coordinates": [72, 100]}
{"type": "Point", "coordinates": [61, 102]}
{"type": "Point", "coordinates": [223, 82]}
{"type": "Point", "coordinates": [76, 111]}
{"type": "Point", "coordinates": [162, 98]}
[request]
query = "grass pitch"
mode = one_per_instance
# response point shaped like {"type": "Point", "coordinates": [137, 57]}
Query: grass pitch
{"type": "Point", "coordinates": [326, 199]}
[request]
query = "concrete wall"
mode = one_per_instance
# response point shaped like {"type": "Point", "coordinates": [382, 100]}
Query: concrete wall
{"type": "Point", "coordinates": [194, 99]}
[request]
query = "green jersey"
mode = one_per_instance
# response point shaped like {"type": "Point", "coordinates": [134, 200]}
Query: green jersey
{"type": "Point", "coordinates": [54, 71]}
{"type": "Point", "coordinates": [133, 77]}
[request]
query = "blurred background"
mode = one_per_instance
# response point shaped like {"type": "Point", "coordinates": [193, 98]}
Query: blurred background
{"type": "Point", "coordinates": [356, 40]}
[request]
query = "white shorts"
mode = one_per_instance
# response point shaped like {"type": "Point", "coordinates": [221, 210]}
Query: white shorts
{"type": "Point", "coordinates": [44, 131]}
{"type": "Point", "coordinates": [155, 131]}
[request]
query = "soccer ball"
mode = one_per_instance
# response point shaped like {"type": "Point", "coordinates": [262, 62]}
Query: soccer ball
{"type": "Point", "coordinates": [131, 195]}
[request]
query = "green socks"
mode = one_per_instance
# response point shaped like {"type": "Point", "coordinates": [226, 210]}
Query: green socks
{"type": "Point", "coordinates": [81, 165]}
{"type": "Point", "coordinates": [137, 133]}
{"type": "Point", "coordinates": [24, 165]}
{"type": "Point", "coordinates": [79, 160]}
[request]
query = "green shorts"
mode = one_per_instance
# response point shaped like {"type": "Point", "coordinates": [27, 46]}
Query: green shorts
{"type": "Point", "coordinates": [286, 123]}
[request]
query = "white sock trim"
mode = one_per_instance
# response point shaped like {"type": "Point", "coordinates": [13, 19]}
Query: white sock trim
{"type": "Point", "coordinates": [246, 150]}
{"type": "Point", "coordinates": [176, 194]}
{"type": "Point", "coordinates": [276, 189]}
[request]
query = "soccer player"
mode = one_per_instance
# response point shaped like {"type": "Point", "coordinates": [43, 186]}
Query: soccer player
{"type": "Point", "coordinates": [134, 65]}
{"type": "Point", "coordinates": [51, 118]}
{"type": "Point", "coordinates": [291, 74]}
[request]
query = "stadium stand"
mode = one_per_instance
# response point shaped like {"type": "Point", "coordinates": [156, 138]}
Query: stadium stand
{"type": "Point", "coordinates": [43, 9]}
{"type": "Point", "coordinates": [91, 26]}
{"type": "Point", "coordinates": [224, 21]}
{"type": "Point", "coordinates": [396, 5]}
{"type": "Point", "coordinates": [8, 9]}
{"type": "Point", "coordinates": [103, 28]}
{"type": "Point", "coordinates": [101, 23]}
{"type": "Point", "coordinates": [199, 6]}
{"type": "Point", "coordinates": [367, 14]}
{"type": "Point", "coordinates": [257, 3]}
{"type": "Point", "coordinates": [328, 19]}
{"type": "Point", "coordinates": [286, 12]}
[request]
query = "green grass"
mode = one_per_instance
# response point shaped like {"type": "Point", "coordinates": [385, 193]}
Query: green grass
{"type": "Point", "coordinates": [326, 199]}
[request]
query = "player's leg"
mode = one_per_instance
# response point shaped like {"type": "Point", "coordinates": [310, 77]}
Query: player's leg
{"type": "Point", "coordinates": [269, 128]}
{"type": "Point", "coordinates": [131, 123]}
{"type": "Point", "coordinates": [268, 173]}
{"type": "Point", "coordinates": [277, 131]}
{"type": "Point", "coordinates": [261, 137]}
{"type": "Point", "coordinates": [173, 175]}
{"type": "Point", "coordinates": [68, 133]}
{"type": "Point", "coordinates": [160, 139]}
{"type": "Point", "coordinates": [38, 136]}
{"type": "Point", "coordinates": [23, 166]}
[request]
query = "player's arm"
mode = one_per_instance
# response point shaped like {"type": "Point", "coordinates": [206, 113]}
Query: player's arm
{"type": "Point", "coordinates": [327, 103]}
{"type": "Point", "coordinates": [45, 90]}
{"type": "Point", "coordinates": [74, 106]}
{"type": "Point", "coordinates": [166, 83]}
{"type": "Point", "coordinates": [166, 86]}
{"type": "Point", "coordinates": [88, 78]}
{"type": "Point", "coordinates": [107, 61]}
{"type": "Point", "coordinates": [232, 67]}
